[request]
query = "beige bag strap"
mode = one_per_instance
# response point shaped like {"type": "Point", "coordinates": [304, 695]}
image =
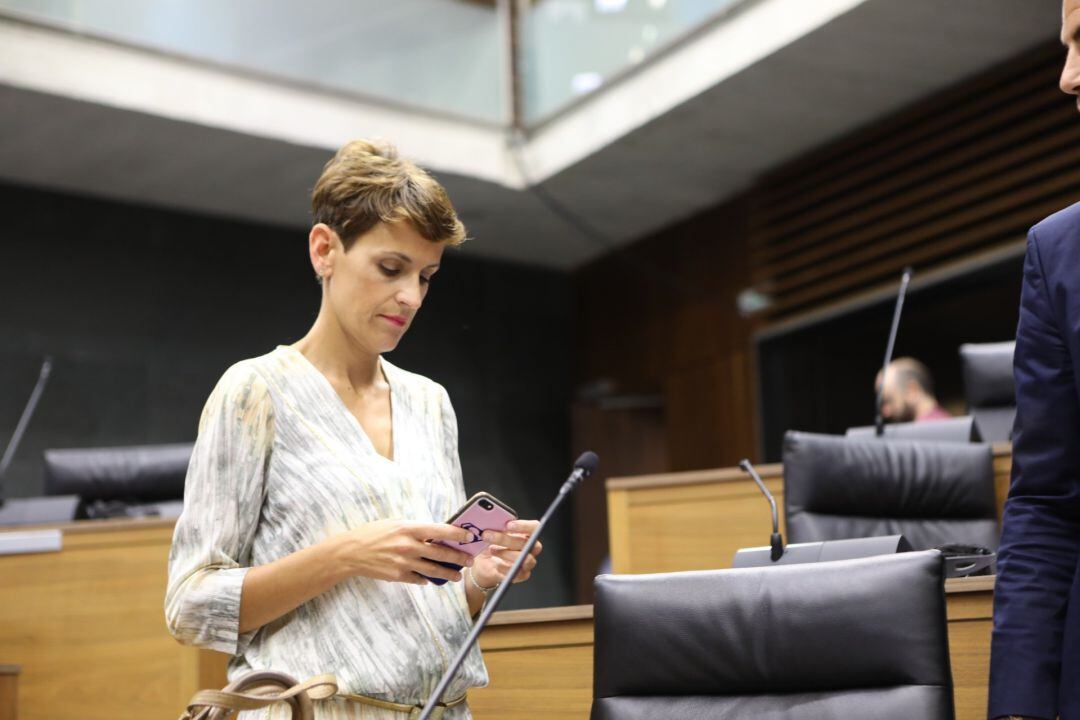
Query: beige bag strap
{"type": "Point", "coordinates": [260, 689]}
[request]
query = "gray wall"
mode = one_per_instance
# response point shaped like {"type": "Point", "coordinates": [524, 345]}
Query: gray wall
{"type": "Point", "coordinates": [143, 309]}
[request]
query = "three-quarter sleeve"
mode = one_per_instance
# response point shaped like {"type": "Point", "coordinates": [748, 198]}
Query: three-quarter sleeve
{"type": "Point", "coordinates": [223, 497]}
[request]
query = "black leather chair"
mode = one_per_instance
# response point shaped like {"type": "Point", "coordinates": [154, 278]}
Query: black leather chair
{"type": "Point", "coordinates": [955, 429]}
{"type": "Point", "coordinates": [934, 494]}
{"type": "Point", "coordinates": [989, 388]}
{"type": "Point", "coordinates": [860, 639]}
{"type": "Point", "coordinates": [117, 480]}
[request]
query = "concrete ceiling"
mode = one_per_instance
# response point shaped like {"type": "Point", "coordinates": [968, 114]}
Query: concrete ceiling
{"type": "Point", "coordinates": [868, 62]}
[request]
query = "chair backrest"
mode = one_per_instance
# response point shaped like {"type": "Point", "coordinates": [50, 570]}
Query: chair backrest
{"type": "Point", "coordinates": [828, 641]}
{"type": "Point", "coordinates": [956, 429]}
{"type": "Point", "coordinates": [989, 389]}
{"type": "Point", "coordinates": [933, 494]}
{"type": "Point", "coordinates": [140, 473]}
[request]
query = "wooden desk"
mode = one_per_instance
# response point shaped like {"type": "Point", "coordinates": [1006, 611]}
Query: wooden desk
{"type": "Point", "coordinates": [89, 619]}
{"type": "Point", "coordinates": [87, 625]}
{"type": "Point", "coordinates": [697, 520]}
{"type": "Point", "coordinates": [9, 680]}
{"type": "Point", "coordinates": [540, 661]}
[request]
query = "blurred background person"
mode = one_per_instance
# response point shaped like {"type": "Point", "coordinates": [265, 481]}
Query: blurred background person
{"type": "Point", "coordinates": [909, 393]}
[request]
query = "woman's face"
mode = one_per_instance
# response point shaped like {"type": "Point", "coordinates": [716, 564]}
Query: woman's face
{"type": "Point", "coordinates": [375, 289]}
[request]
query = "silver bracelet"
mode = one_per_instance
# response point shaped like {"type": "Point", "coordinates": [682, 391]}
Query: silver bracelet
{"type": "Point", "coordinates": [478, 586]}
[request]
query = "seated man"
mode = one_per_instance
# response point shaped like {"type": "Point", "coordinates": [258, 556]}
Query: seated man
{"type": "Point", "coordinates": [909, 393]}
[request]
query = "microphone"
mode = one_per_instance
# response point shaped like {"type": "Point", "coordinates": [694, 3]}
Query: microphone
{"type": "Point", "coordinates": [584, 466]}
{"type": "Point", "coordinates": [24, 420]}
{"type": "Point", "coordinates": [776, 541]}
{"type": "Point", "coordinates": [879, 419]}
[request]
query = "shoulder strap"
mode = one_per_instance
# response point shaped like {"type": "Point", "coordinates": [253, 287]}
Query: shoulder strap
{"type": "Point", "coordinates": [260, 689]}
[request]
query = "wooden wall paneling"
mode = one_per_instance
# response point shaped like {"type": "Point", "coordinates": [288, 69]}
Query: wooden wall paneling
{"type": "Point", "coordinates": [878, 178]}
{"type": "Point", "coordinates": [709, 406]}
{"type": "Point", "coordinates": [943, 248]}
{"type": "Point", "coordinates": [974, 178]}
{"type": "Point", "coordinates": [662, 318]}
{"type": "Point", "coordinates": [788, 188]}
{"type": "Point", "coordinates": [966, 170]}
{"type": "Point", "coordinates": [628, 441]}
{"type": "Point", "coordinates": [946, 219]}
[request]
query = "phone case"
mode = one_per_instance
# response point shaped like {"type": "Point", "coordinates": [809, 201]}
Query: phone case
{"type": "Point", "coordinates": [481, 512]}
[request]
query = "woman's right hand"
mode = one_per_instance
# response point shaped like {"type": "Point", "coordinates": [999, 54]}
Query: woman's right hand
{"type": "Point", "coordinates": [400, 552]}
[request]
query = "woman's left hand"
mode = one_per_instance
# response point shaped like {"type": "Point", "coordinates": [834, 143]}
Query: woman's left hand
{"type": "Point", "coordinates": [492, 565]}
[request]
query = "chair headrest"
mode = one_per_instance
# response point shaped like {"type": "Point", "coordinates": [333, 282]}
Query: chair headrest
{"type": "Point", "coordinates": [146, 473]}
{"type": "Point", "coordinates": [988, 374]}
{"type": "Point", "coordinates": [871, 623]}
{"type": "Point", "coordinates": [955, 429]}
{"type": "Point", "coordinates": [894, 478]}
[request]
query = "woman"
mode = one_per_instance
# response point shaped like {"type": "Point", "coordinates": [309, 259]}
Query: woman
{"type": "Point", "coordinates": [321, 471]}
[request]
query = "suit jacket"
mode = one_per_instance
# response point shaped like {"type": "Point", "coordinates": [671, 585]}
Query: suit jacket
{"type": "Point", "coordinates": [1035, 657]}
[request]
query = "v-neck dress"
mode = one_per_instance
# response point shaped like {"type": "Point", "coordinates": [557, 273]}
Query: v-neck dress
{"type": "Point", "coordinates": [280, 464]}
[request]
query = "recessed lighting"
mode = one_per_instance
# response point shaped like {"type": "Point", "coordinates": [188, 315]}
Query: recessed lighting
{"type": "Point", "coordinates": [609, 6]}
{"type": "Point", "coordinates": [584, 82]}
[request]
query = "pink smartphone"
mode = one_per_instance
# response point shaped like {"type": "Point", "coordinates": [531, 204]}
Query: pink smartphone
{"type": "Point", "coordinates": [481, 512]}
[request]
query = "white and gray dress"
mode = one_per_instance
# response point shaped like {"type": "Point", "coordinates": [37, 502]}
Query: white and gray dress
{"type": "Point", "coordinates": [281, 464]}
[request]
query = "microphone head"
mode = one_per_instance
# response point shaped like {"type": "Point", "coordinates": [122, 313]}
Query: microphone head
{"type": "Point", "coordinates": [587, 462]}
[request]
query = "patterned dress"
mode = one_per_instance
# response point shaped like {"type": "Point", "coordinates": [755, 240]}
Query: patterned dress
{"type": "Point", "coordinates": [281, 464]}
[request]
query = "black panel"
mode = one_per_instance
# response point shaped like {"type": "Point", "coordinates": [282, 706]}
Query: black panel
{"type": "Point", "coordinates": [143, 309]}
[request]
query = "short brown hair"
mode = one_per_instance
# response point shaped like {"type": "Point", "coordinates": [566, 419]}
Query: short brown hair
{"type": "Point", "coordinates": [366, 183]}
{"type": "Point", "coordinates": [908, 369]}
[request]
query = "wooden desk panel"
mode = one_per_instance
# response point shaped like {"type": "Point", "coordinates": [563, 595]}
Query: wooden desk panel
{"type": "Point", "coordinates": [697, 520]}
{"type": "Point", "coordinates": [9, 686]}
{"type": "Point", "coordinates": [540, 665]}
{"type": "Point", "coordinates": [662, 527]}
{"type": "Point", "coordinates": [89, 619]}
{"type": "Point", "coordinates": [87, 626]}
{"type": "Point", "coordinates": [540, 661]}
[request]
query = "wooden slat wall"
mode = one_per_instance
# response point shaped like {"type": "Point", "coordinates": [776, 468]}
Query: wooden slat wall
{"type": "Point", "coordinates": [970, 169]}
{"type": "Point", "coordinates": [660, 318]}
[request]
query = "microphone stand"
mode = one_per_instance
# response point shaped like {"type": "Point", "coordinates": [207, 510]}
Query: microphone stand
{"type": "Point", "coordinates": [24, 420]}
{"type": "Point", "coordinates": [776, 541]}
{"type": "Point", "coordinates": [584, 467]}
{"type": "Point", "coordinates": [879, 419]}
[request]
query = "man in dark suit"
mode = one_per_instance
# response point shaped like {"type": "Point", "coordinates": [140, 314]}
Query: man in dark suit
{"type": "Point", "coordinates": [1035, 660]}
